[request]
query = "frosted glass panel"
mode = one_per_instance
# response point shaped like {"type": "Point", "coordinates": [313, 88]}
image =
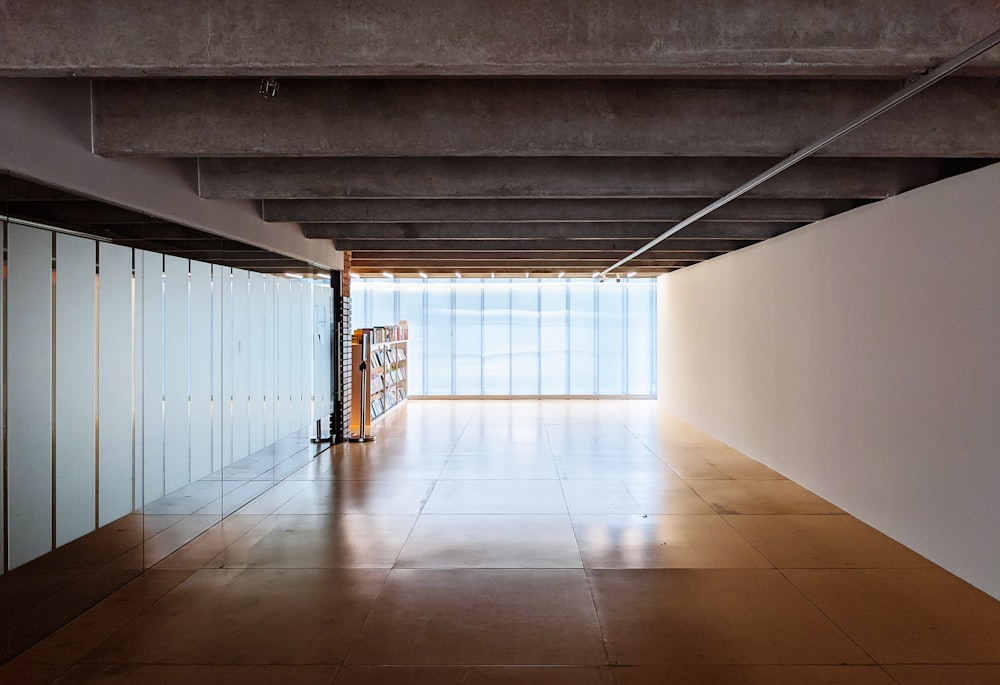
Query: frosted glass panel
{"type": "Point", "coordinates": [220, 281]}
{"type": "Point", "coordinates": [582, 343]}
{"type": "Point", "coordinates": [468, 337]}
{"type": "Point", "coordinates": [295, 420]}
{"type": "Point", "coordinates": [76, 387]}
{"type": "Point", "coordinates": [641, 353]}
{"type": "Point", "coordinates": [306, 355]}
{"type": "Point", "coordinates": [225, 359]}
{"type": "Point", "coordinates": [152, 376]}
{"type": "Point", "coordinates": [270, 432]}
{"type": "Point", "coordinates": [381, 303]}
{"type": "Point", "coordinates": [139, 421]}
{"type": "Point", "coordinates": [554, 357]}
{"type": "Point", "coordinates": [438, 337]}
{"type": "Point", "coordinates": [496, 338]}
{"type": "Point", "coordinates": [29, 384]}
{"type": "Point", "coordinates": [201, 370]}
{"type": "Point", "coordinates": [524, 339]}
{"type": "Point", "coordinates": [115, 384]}
{"type": "Point", "coordinates": [611, 337]}
{"type": "Point", "coordinates": [520, 336]}
{"type": "Point", "coordinates": [322, 351]}
{"type": "Point", "coordinates": [240, 353]}
{"type": "Point", "coordinates": [256, 342]}
{"type": "Point", "coordinates": [411, 310]}
{"type": "Point", "coordinates": [283, 366]}
{"type": "Point", "coordinates": [177, 430]}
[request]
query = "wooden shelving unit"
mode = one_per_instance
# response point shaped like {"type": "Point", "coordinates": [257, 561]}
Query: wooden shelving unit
{"type": "Point", "coordinates": [383, 349]}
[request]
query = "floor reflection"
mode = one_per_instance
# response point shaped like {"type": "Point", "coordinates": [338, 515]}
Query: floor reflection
{"type": "Point", "coordinates": [44, 594]}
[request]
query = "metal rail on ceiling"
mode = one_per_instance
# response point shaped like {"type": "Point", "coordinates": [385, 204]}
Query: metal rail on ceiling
{"type": "Point", "coordinates": [920, 84]}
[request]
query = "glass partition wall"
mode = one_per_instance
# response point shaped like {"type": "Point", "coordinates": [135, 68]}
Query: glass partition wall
{"type": "Point", "coordinates": [145, 398]}
{"type": "Point", "coordinates": [520, 337]}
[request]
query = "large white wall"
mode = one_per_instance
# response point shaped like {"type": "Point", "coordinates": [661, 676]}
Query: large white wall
{"type": "Point", "coordinates": [860, 356]}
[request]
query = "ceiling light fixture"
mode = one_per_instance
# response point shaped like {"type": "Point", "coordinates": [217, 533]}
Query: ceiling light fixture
{"type": "Point", "coordinates": [423, 275]}
{"type": "Point", "coordinates": [458, 275]}
{"type": "Point", "coordinates": [387, 274]}
{"type": "Point", "coordinates": [630, 274]}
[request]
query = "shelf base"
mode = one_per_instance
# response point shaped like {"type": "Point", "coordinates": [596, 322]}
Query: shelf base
{"type": "Point", "coordinates": [360, 438]}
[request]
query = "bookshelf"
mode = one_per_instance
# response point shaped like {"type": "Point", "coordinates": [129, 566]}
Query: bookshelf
{"type": "Point", "coordinates": [384, 349]}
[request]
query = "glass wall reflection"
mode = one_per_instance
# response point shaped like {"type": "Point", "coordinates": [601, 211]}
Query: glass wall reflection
{"type": "Point", "coordinates": [145, 398]}
{"type": "Point", "coordinates": [520, 337]}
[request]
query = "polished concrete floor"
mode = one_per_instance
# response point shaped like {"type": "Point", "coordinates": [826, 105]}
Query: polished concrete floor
{"type": "Point", "coordinates": [576, 542]}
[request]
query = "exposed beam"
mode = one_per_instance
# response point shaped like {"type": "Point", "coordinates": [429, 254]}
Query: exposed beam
{"type": "Point", "coordinates": [197, 118]}
{"type": "Point", "coordinates": [779, 38]}
{"type": "Point", "coordinates": [536, 257]}
{"type": "Point", "coordinates": [80, 212]}
{"type": "Point", "coordinates": [556, 177]}
{"type": "Point", "coordinates": [500, 265]}
{"type": "Point", "coordinates": [564, 271]}
{"type": "Point", "coordinates": [533, 210]}
{"type": "Point", "coordinates": [234, 256]}
{"type": "Point", "coordinates": [44, 129]}
{"type": "Point", "coordinates": [473, 246]}
{"type": "Point", "coordinates": [154, 231]}
{"type": "Point", "coordinates": [551, 230]}
{"type": "Point", "coordinates": [13, 189]}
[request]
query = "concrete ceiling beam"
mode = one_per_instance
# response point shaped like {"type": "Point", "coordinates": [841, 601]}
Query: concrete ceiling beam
{"type": "Point", "coordinates": [782, 38]}
{"type": "Point", "coordinates": [79, 212]}
{"type": "Point", "coordinates": [555, 177]}
{"type": "Point", "coordinates": [751, 118]}
{"type": "Point", "coordinates": [545, 210]}
{"type": "Point", "coordinates": [602, 246]}
{"type": "Point", "coordinates": [640, 231]}
{"type": "Point", "coordinates": [494, 263]}
{"type": "Point", "coordinates": [550, 256]}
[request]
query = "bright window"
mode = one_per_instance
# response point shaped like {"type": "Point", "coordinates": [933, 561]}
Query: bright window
{"type": "Point", "coordinates": [519, 337]}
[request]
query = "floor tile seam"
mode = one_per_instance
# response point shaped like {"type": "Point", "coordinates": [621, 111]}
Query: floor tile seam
{"type": "Point", "coordinates": [726, 517]}
{"type": "Point", "coordinates": [239, 537]}
{"type": "Point", "coordinates": [740, 479]}
{"type": "Point", "coordinates": [590, 588]}
{"type": "Point", "coordinates": [501, 513]}
{"type": "Point", "coordinates": [505, 478]}
{"type": "Point", "coordinates": [755, 664]}
{"type": "Point", "coordinates": [489, 568]}
{"type": "Point", "coordinates": [65, 668]}
{"type": "Point", "coordinates": [409, 534]}
{"type": "Point", "coordinates": [218, 664]}
{"type": "Point", "coordinates": [136, 616]}
{"type": "Point", "coordinates": [368, 614]}
{"type": "Point", "coordinates": [829, 618]}
{"type": "Point", "coordinates": [947, 664]}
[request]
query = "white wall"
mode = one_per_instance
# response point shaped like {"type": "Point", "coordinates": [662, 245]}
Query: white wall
{"type": "Point", "coordinates": [860, 356]}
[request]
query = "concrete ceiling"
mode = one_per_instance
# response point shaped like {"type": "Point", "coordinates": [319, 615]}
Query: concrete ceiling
{"type": "Point", "coordinates": [544, 136]}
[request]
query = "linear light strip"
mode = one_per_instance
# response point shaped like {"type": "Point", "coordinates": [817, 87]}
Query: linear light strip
{"type": "Point", "coordinates": [906, 93]}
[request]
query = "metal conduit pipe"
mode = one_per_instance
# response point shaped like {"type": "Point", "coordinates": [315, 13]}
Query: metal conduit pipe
{"type": "Point", "coordinates": [906, 93]}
